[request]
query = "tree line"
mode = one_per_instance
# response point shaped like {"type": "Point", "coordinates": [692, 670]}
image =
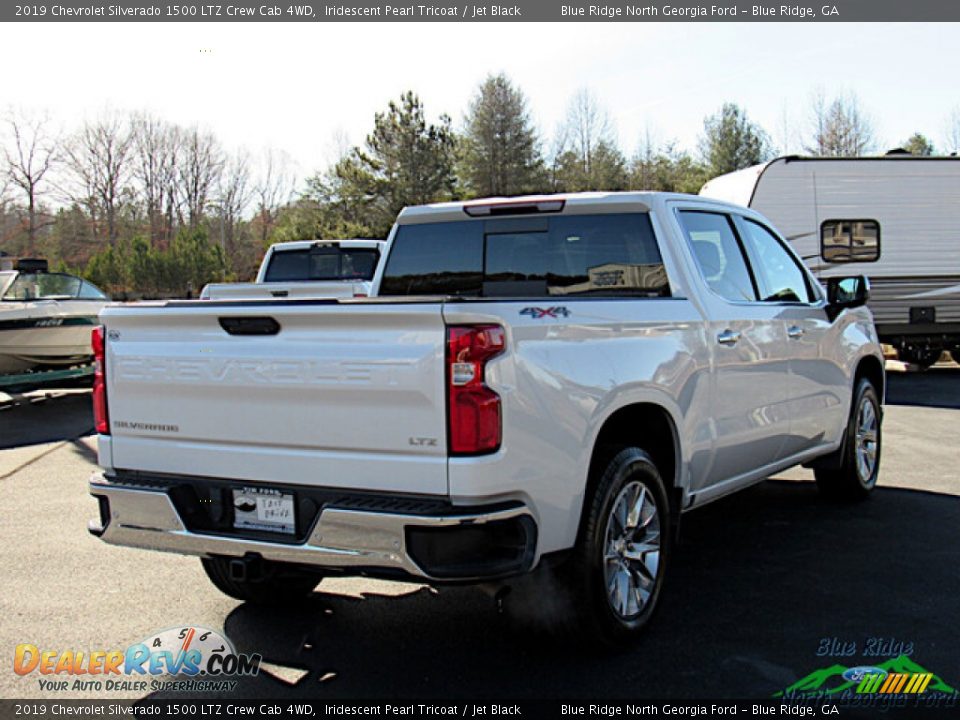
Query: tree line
{"type": "Point", "coordinates": [144, 207]}
{"type": "Point", "coordinates": [138, 205]}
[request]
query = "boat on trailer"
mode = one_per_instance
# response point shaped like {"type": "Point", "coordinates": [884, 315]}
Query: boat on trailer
{"type": "Point", "coordinates": [45, 318]}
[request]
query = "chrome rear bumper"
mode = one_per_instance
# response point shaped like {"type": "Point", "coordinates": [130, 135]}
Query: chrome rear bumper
{"type": "Point", "coordinates": [341, 538]}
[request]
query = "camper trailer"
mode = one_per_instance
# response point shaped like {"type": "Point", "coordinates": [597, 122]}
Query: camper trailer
{"type": "Point", "coordinates": [894, 218]}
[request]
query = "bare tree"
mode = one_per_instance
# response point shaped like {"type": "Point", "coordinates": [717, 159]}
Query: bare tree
{"type": "Point", "coordinates": [840, 127]}
{"type": "Point", "coordinates": [5, 198]}
{"type": "Point", "coordinates": [585, 127]}
{"type": "Point", "coordinates": [155, 153]}
{"type": "Point", "coordinates": [98, 159]}
{"type": "Point", "coordinates": [199, 168]}
{"type": "Point", "coordinates": [273, 189]}
{"type": "Point", "coordinates": [338, 147]}
{"type": "Point", "coordinates": [8, 220]}
{"type": "Point", "coordinates": [586, 155]}
{"type": "Point", "coordinates": [786, 134]}
{"type": "Point", "coordinates": [645, 159]}
{"type": "Point", "coordinates": [233, 196]}
{"type": "Point", "coordinates": [30, 153]}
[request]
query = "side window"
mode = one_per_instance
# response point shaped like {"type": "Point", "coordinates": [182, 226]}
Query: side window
{"type": "Point", "coordinates": [718, 254]}
{"type": "Point", "coordinates": [850, 241]}
{"type": "Point", "coordinates": [780, 277]}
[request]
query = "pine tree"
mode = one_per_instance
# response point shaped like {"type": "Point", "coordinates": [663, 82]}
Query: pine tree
{"type": "Point", "coordinates": [501, 153]}
{"type": "Point", "coordinates": [405, 161]}
{"type": "Point", "coordinates": [918, 144]}
{"type": "Point", "coordinates": [730, 141]}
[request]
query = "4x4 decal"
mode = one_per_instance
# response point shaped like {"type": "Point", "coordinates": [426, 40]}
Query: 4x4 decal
{"type": "Point", "coordinates": [555, 312]}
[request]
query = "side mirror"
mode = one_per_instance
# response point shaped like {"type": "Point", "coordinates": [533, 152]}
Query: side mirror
{"type": "Point", "coordinates": [846, 292]}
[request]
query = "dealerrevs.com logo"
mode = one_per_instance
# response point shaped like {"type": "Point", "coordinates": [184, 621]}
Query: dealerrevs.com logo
{"type": "Point", "coordinates": [199, 659]}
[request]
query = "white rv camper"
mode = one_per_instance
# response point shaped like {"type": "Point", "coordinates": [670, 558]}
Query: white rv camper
{"type": "Point", "coordinates": [895, 219]}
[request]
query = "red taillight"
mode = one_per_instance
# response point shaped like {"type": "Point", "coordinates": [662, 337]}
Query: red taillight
{"type": "Point", "coordinates": [474, 409]}
{"type": "Point", "coordinates": [99, 342]}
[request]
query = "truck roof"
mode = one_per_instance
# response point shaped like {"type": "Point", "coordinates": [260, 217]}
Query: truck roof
{"type": "Point", "coordinates": [560, 203]}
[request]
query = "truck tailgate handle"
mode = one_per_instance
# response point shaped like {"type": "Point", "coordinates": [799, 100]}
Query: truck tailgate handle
{"type": "Point", "coordinates": [250, 325]}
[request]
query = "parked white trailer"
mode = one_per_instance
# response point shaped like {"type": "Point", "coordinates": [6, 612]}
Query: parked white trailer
{"type": "Point", "coordinates": [894, 218]}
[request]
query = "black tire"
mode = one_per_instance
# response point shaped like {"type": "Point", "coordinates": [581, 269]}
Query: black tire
{"type": "Point", "coordinates": [275, 584]}
{"type": "Point", "coordinates": [856, 478]}
{"type": "Point", "coordinates": [924, 357]}
{"type": "Point", "coordinates": [586, 574]}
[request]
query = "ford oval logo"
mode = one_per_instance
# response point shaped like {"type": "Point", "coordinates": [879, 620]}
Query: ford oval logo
{"type": "Point", "coordinates": [856, 674]}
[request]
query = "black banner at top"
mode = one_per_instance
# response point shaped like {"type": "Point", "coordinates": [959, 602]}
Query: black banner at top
{"type": "Point", "coordinates": [194, 707]}
{"type": "Point", "coordinates": [307, 11]}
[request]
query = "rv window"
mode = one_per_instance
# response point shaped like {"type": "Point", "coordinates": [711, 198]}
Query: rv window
{"type": "Point", "coordinates": [850, 241]}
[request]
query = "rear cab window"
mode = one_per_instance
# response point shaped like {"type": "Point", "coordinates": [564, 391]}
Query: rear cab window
{"type": "Point", "coordinates": [322, 262]}
{"type": "Point", "coordinates": [565, 255]}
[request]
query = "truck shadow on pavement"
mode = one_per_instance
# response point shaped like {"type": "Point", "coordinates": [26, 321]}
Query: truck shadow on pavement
{"type": "Point", "coordinates": [937, 387]}
{"type": "Point", "coordinates": [758, 584]}
{"type": "Point", "coordinates": [37, 418]}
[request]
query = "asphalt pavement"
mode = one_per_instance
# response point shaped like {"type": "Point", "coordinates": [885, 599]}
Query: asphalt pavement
{"type": "Point", "coordinates": [765, 587]}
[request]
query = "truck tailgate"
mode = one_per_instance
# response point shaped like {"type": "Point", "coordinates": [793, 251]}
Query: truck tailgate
{"type": "Point", "coordinates": [342, 396]}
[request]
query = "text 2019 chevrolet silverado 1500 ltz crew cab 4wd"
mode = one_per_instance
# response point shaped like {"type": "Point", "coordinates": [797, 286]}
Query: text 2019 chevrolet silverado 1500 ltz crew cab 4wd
{"type": "Point", "coordinates": [539, 381]}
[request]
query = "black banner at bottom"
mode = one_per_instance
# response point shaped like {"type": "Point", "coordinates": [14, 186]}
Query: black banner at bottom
{"type": "Point", "coordinates": [916, 708]}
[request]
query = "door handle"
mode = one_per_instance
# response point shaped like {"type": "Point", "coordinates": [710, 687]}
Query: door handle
{"type": "Point", "coordinates": [728, 337]}
{"type": "Point", "coordinates": [794, 332]}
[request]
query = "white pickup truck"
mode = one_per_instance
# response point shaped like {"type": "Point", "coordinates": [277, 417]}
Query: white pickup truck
{"type": "Point", "coordinates": [307, 268]}
{"type": "Point", "coordinates": [540, 382]}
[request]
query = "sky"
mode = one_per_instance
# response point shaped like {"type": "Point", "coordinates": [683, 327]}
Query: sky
{"type": "Point", "coordinates": [304, 88]}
